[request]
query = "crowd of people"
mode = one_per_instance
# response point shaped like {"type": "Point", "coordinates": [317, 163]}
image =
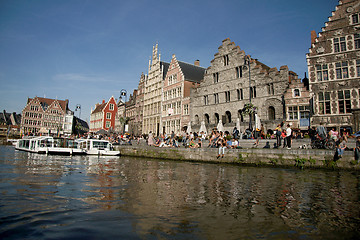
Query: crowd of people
{"type": "Point", "coordinates": [283, 134]}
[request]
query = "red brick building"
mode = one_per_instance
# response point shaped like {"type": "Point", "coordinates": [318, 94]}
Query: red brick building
{"type": "Point", "coordinates": [45, 115]}
{"type": "Point", "coordinates": [103, 116]}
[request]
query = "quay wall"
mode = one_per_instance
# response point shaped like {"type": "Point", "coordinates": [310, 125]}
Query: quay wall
{"type": "Point", "coordinates": [289, 158]}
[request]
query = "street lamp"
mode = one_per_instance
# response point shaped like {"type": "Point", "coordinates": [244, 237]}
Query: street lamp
{"type": "Point", "coordinates": [247, 62]}
{"type": "Point", "coordinates": [123, 94]}
{"type": "Point", "coordinates": [78, 107]}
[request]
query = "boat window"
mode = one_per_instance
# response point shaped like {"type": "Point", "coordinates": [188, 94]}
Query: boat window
{"type": "Point", "coordinates": [100, 145]}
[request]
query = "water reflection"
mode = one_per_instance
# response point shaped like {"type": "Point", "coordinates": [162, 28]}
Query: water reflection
{"type": "Point", "coordinates": [109, 197]}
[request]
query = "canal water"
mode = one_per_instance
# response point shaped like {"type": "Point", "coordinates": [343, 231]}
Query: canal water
{"type": "Point", "coordinates": [84, 197]}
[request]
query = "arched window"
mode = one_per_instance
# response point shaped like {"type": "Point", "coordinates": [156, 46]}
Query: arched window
{"type": "Point", "coordinates": [217, 118]}
{"type": "Point", "coordinates": [207, 118]}
{"type": "Point", "coordinates": [271, 113]}
{"type": "Point", "coordinates": [240, 116]}
{"type": "Point", "coordinates": [196, 119]}
{"type": "Point", "coordinates": [228, 117]}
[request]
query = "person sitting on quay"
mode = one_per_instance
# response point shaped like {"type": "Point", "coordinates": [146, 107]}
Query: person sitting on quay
{"type": "Point", "coordinates": [333, 134]}
{"type": "Point", "coordinates": [192, 144]}
{"type": "Point", "coordinates": [221, 142]}
{"type": "Point", "coordinates": [235, 144]}
{"type": "Point", "coordinates": [340, 148]}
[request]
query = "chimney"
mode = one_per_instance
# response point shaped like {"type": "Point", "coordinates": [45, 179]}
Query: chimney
{"type": "Point", "coordinates": [313, 36]}
{"type": "Point", "coordinates": [197, 63]}
{"type": "Point", "coordinates": [103, 101]}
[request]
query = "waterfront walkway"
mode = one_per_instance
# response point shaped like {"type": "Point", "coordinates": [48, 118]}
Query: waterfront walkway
{"type": "Point", "coordinates": [250, 155]}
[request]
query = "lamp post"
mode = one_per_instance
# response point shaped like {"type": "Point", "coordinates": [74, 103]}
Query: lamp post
{"type": "Point", "coordinates": [247, 62]}
{"type": "Point", "coordinates": [78, 107]}
{"type": "Point", "coordinates": [123, 94]}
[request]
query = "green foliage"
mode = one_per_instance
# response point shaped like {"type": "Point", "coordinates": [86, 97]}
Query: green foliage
{"type": "Point", "coordinates": [300, 162]}
{"type": "Point", "coordinates": [249, 108]}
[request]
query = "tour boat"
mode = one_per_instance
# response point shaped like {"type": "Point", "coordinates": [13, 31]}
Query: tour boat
{"type": "Point", "coordinates": [49, 145]}
{"type": "Point", "coordinates": [97, 147]}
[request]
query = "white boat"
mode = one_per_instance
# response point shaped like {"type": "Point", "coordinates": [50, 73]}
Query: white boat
{"type": "Point", "coordinates": [97, 147]}
{"type": "Point", "coordinates": [12, 141]}
{"type": "Point", "coordinates": [49, 145]}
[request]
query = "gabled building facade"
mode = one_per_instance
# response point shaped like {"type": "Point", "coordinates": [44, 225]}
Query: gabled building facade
{"type": "Point", "coordinates": [297, 104]}
{"type": "Point", "coordinates": [334, 68]}
{"type": "Point", "coordinates": [9, 123]}
{"type": "Point", "coordinates": [153, 93]}
{"type": "Point", "coordinates": [45, 115]}
{"type": "Point", "coordinates": [180, 78]}
{"type": "Point", "coordinates": [103, 116]}
{"type": "Point", "coordinates": [227, 87]}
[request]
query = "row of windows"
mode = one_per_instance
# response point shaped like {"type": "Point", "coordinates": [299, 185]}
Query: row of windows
{"type": "Point", "coordinates": [34, 108]}
{"type": "Point", "coordinates": [240, 96]}
{"type": "Point", "coordinates": [295, 111]}
{"type": "Point", "coordinates": [39, 123]}
{"type": "Point", "coordinates": [173, 93]}
{"type": "Point", "coordinates": [46, 117]}
{"type": "Point", "coordinates": [151, 109]}
{"type": "Point", "coordinates": [33, 115]}
{"type": "Point", "coordinates": [340, 43]}
{"type": "Point", "coordinates": [343, 101]}
{"type": "Point", "coordinates": [172, 79]}
{"type": "Point", "coordinates": [341, 70]}
{"type": "Point", "coordinates": [172, 108]}
{"type": "Point", "coordinates": [238, 74]}
{"type": "Point", "coordinates": [172, 125]}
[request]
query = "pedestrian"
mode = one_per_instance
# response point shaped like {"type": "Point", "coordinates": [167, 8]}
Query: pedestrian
{"type": "Point", "coordinates": [288, 136]}
{"type": "Point", "coordinates": [278, 135]}
{"type": "Point", "coordinates": [320, 130]}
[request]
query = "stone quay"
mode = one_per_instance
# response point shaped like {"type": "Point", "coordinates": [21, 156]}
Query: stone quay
{"type": "Point", "coordinates": [297, 157]}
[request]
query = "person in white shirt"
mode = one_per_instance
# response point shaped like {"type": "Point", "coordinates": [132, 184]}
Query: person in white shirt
{"type": "Point", "coordinates": [288, 136]}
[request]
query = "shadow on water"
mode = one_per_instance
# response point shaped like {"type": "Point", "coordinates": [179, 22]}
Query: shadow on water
{"type": "Point", "coordinates": [133, 198]}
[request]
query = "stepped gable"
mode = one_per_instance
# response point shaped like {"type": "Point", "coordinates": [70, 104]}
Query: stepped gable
{"type": "Point", "coordinates": [99, 107]}
{"type": "Point", "coordinates": [46, 102]}
{"type": "Point", "coordinates": [191, 72]}
{"type": "Point", "coordinates": [229, 47]}
{"type": "Point", "coordinates": [336, 25]}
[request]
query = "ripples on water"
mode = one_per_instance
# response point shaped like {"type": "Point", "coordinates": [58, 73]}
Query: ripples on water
{"type": "Point", "coordinates": [83, 197]}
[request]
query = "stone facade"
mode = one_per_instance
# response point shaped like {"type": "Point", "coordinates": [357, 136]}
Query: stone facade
{"type": "Point", "coordinates": [180, 78]}
{"type": "Point", "coordinates": [226, 89]}
{"type": "Point", "coordinates": [153, 93]}
{"type": "Point", "coordinates": [334, 68]}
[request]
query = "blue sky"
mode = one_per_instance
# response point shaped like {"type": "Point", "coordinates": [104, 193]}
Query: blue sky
{"type": "Point", "coordinates": [88, 50]}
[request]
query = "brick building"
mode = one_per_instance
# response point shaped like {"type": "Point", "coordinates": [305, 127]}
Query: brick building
{"type": "Point", "coordinates": [334, 68]}
{"type": "Point", "coordinates": [104, 115]}
{"type": "Point", "coordinates": [45, 115]}
{"type": "Point", "coordinates": [226, 89]}
{"type": "Point", "coordinates": [180, 78]}
{"type": "Point", "coordinates": [297, 103]}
